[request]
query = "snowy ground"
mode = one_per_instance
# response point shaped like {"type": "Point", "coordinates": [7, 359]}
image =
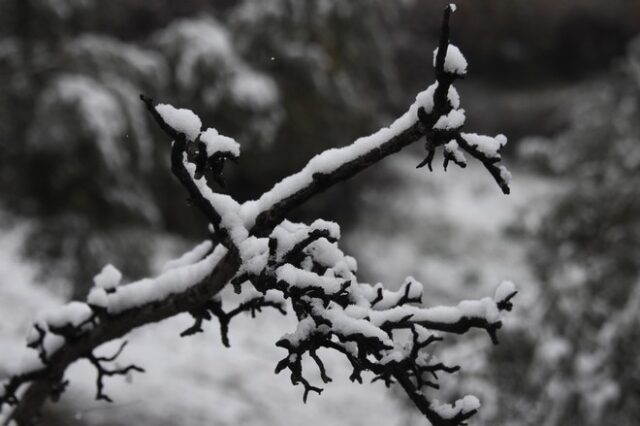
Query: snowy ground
{"type": "Point", "coordinates": [451, 230]}
{"type": "Point", "coordinates": [447, 230]}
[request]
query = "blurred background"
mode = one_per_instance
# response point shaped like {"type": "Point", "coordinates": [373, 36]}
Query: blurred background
{"type": "Point", "coordinates": [85, 181]}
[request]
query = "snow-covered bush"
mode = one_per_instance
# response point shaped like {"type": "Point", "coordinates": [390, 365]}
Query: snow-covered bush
{"type": "Point", "coordinates": [581, 353]}
{"type": "Point", "coordinates": [274, 263]}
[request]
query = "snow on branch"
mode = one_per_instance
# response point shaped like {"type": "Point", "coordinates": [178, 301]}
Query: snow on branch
{"type": "Point", "coordinates": [195, 159]}
{"type": "Point", "coordinates": [450, 65]}
{"type": "Point", "coordinates": [290, 267]}
{"type": "Point", "coordinates": [378, 331]}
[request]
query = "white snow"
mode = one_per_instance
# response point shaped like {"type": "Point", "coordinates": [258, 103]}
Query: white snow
{"type": "Point", "coordinates": [329, 255]}
{"type": "Point", "coordinates": [325, 225]}
{"type": "Point", "coordinates": [489, 146]}
{"type": "Point", "coordinates": [254, 253]}
{"type": "Point", "coordinates": [73, 314]}
{"type": "Point", "coordinates": [453, 148]}
{"type": "Point", "coordinates": [454, 62]}
{"type": "Point", "coordinates": [288, 234]}
{"type": "Point", "coordinates": [173, 281]}
{"type": "Point", "coordinates": [464, 405]}
{"type": "Point", "coordinates": [108, 278]}
{"type": "Point", "coordinates": [177, 276]}
{"type": "Point", "coordinates": [304, 329]}
{"type": "Point", "coordinates": [215, 142]}
{"type": "Point", "coordinates": [190, 257]}
{"type": "Point", "coordinates": [453, 120]}
{"type": "Point", "coordinates": [484, 308]}
{"type": "Point", "coordinates": [505, 174]}
{"type": "Point", "coordinates": [454, 97]}
{"type": "Point", "coordinates": [181, 119]}
{"type": "Point", "coordinates": [347, 326]}
{"type": "Point", "coordinates": [226, 207]}
{"type": "Point", "coordinates": [505, 289]}
{"type": "Point", "coordinates": [304, 279]}
{"type": "Point", "coordinates": [97, 297]}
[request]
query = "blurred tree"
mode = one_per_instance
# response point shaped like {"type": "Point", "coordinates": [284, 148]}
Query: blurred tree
{"type": "Point", "coordinates": [72, 71]}
{"type": "Point", "coordinates": [576, 361]}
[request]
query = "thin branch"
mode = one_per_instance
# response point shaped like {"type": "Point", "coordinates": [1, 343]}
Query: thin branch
{"type": "Point", "coordinates": [103, 371]}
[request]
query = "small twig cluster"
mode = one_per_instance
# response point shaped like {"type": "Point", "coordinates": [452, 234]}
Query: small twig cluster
{"type": "Point", "coordinates": [377, 330]}
{"type": "Point", "coordinates": [46, 337]}
{"type": "Point", "coordinates": [450, 65]}
{"type": "Point", "coordinates": [103, 371]}
{"type": "Point", "coordinates": [214, 308]}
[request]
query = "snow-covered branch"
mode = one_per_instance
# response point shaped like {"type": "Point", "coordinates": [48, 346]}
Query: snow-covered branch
{"type": "Point", "coordinates": [378, 331]}
{"type": "Point", "coordinates": [197, 157]}
{"type": "Point", "coordinates": [449, 118]}
{"type": "Point", "coordinates": [278, 264]}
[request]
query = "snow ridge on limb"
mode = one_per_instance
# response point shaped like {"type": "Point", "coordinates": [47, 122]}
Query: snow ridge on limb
{"type": "Point", "coordinates": [275, 263]}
